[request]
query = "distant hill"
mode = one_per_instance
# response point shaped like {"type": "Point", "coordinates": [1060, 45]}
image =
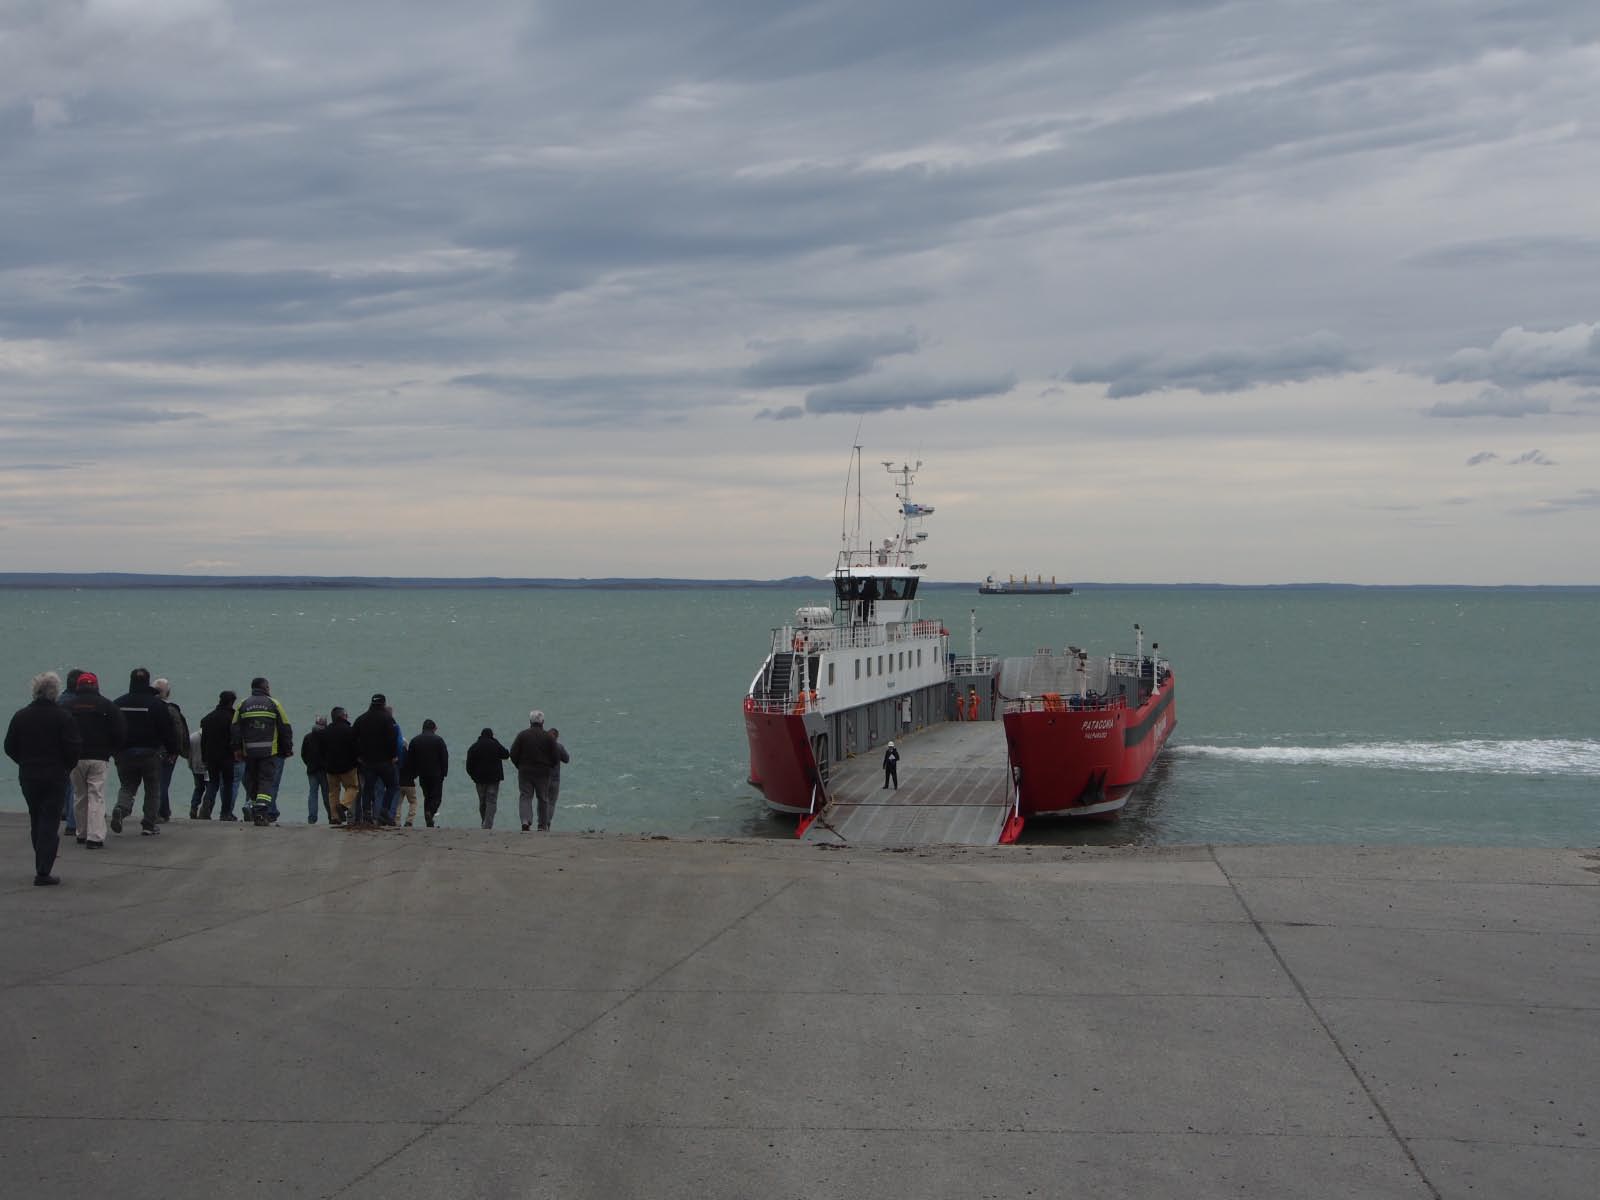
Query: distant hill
{"type": "Point", "coordinates": [116, 579]}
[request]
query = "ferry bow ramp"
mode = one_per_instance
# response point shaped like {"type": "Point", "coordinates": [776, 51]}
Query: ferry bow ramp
{"type": "Point", "coordinates": [954, 790]}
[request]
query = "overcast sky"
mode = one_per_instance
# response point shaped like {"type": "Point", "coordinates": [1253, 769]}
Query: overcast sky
{"type": "Point", "coordinates": [1236, 292]}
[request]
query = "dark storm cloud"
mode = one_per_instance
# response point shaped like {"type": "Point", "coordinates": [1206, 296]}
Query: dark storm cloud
{"type": "Point", "coordinates": [1521, 357]}
{"type": "Point", "coordinates": [789, 412]}
{"type": "Point", "coordinates": [1314, 357]}
{"type": "Point", "coordinates": [1528, 458]}
{"type": "Point", "coordinates": [1490, 402]}
{"type": "Point", "coordinates": [800, 363]}
{"type": "Point", "coordinates": [887, 392]}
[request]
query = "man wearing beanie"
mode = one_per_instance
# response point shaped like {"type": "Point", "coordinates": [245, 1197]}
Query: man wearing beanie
{"type": "Point", "coordinates": [376, 739]}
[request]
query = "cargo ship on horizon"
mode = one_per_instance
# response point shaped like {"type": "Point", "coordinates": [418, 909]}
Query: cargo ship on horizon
{"type": "Point", "coordinates": [1023, 587]}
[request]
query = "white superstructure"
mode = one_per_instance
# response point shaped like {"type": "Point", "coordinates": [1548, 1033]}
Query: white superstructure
{"type": "Point", "coordinates": [871, 644]}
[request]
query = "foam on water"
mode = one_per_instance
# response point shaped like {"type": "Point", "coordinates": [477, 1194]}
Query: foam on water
{"type": "Point", "coordinates": [1479, 756]}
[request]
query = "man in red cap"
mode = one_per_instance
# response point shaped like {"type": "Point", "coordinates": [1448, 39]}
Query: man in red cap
{"type": "Point", "coordinates": [103, 732]}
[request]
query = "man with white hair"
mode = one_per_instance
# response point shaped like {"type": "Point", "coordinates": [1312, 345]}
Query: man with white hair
{"type": "Point", "coordinates": [42, 740]}
{"type": "Point", "coordinates": [180, 726]}
{"type": "Point", "coordinates": [533, 753]}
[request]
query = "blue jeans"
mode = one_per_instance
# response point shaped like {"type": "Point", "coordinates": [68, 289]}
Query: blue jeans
{"type": "Point", "coordinates": [167, 767]}
{"type": "Point", "coordinates": [318, 781]}
{"type": "Point", "coordinates": [380, 789]}
{"type": "Point", "coordinates": [221, 782]}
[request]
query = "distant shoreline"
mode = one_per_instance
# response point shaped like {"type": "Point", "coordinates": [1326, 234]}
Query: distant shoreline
{"type": "Point", "coordinates": [109, 580]}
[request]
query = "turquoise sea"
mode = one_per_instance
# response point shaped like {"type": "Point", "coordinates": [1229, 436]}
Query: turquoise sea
{"type": "Point", "coordinates": [1416, 716]}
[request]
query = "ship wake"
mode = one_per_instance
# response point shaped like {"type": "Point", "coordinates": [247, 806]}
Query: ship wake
{"type": "Point", "coordinates": [1574, 757]}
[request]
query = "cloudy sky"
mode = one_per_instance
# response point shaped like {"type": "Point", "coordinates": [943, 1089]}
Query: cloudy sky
{"type": "Point", "coordinates": [1237, 292]}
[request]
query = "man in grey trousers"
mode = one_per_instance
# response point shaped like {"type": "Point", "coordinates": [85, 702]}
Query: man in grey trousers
{"type": "Point", "coordinates": [533, 753]}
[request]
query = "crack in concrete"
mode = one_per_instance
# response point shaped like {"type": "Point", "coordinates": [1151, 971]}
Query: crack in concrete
{"type": "Point", "coordinates": [632, 994]}
{"type": "Point", "coordinates": [1333, 1038]}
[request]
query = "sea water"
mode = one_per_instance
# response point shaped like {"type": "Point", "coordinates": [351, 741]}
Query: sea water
{"type": "Point", "coordinates": [1412, 716]}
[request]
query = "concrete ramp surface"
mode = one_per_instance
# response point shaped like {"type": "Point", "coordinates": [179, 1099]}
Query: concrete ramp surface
{"type": "Point", "coordinates": [427, 1014]}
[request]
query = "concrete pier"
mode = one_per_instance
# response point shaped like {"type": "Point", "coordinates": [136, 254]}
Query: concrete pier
{"type": "Point", "coordinates": [233, 1011]}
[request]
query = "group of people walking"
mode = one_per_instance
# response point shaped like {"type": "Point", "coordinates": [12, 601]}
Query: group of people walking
{"type": "Point", "coordinates": [66, 740]}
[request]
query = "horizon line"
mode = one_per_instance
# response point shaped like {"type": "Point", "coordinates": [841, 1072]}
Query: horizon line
{"type": "Point", "coordinates": [145, 579]}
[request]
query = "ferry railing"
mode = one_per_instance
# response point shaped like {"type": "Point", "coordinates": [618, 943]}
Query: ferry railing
{"type": "Point", "coordinates": [1055, 702]}
{"type": "Point", "coordinates": [783, 706]}
{"type": "Point", "coordinates": [984, 664]}
{"type": "Point", "coordinates": [805, 639]}
{"type": "Point", "coordinates": [1132, 664]}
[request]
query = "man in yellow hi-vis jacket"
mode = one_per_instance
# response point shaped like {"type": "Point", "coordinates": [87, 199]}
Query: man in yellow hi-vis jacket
{"type": "Point", "coordinates": [262, 739]}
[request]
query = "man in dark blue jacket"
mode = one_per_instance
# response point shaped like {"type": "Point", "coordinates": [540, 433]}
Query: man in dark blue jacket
{"type": "Point", "coordinates": [151, 738]}
{"type": "Point", "coordinates": [42, 740]}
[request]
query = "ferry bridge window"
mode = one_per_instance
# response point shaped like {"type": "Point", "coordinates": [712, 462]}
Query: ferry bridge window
{"type": "Point", "coordinates": [858, 668]}
{"type": "Point", "coordinates": [919, 656]}
{"type": "Point", "coordinates": [880, 664]}
{"type": "Point", "coordinates": [830, 674]}
{"type": "Point", "coordinates": [869, 666]}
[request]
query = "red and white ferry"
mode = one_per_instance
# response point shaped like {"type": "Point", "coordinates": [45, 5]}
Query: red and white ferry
{"type": "Point", "coordinates": [845, 678]}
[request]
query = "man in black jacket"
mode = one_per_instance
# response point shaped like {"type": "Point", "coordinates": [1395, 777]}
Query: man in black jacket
{"type": "Point", "coordinates": [377, 748]}
{"type": "Point", "coordinates": [216, 751]}
{"type": "Point", "coordinates": [533, 753]}
{"type": "Point", "coordinates": [102, 732]}
{"type": "Point", "coordinates": [42, 740]}
{"type": "Point", "coordinates": [429, 758]}
{"type": "Point", "coordinates": [484, 759]}
{"type": "Point", "coordinates": [339, 764]}
{"type": "Point", "coordinates": [316, 772]}
{"type": "Point", "coordinates": [151, 737]}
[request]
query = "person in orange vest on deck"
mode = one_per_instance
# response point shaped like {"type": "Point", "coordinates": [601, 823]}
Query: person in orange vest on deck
{"type": "Point", "coordinates": [972, 704]}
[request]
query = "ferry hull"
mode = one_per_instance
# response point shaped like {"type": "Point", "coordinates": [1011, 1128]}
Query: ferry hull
{"type": "Point", "coordinates": [782, 762]}
{"type": "Point", "coordinates": [1086, 763]}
